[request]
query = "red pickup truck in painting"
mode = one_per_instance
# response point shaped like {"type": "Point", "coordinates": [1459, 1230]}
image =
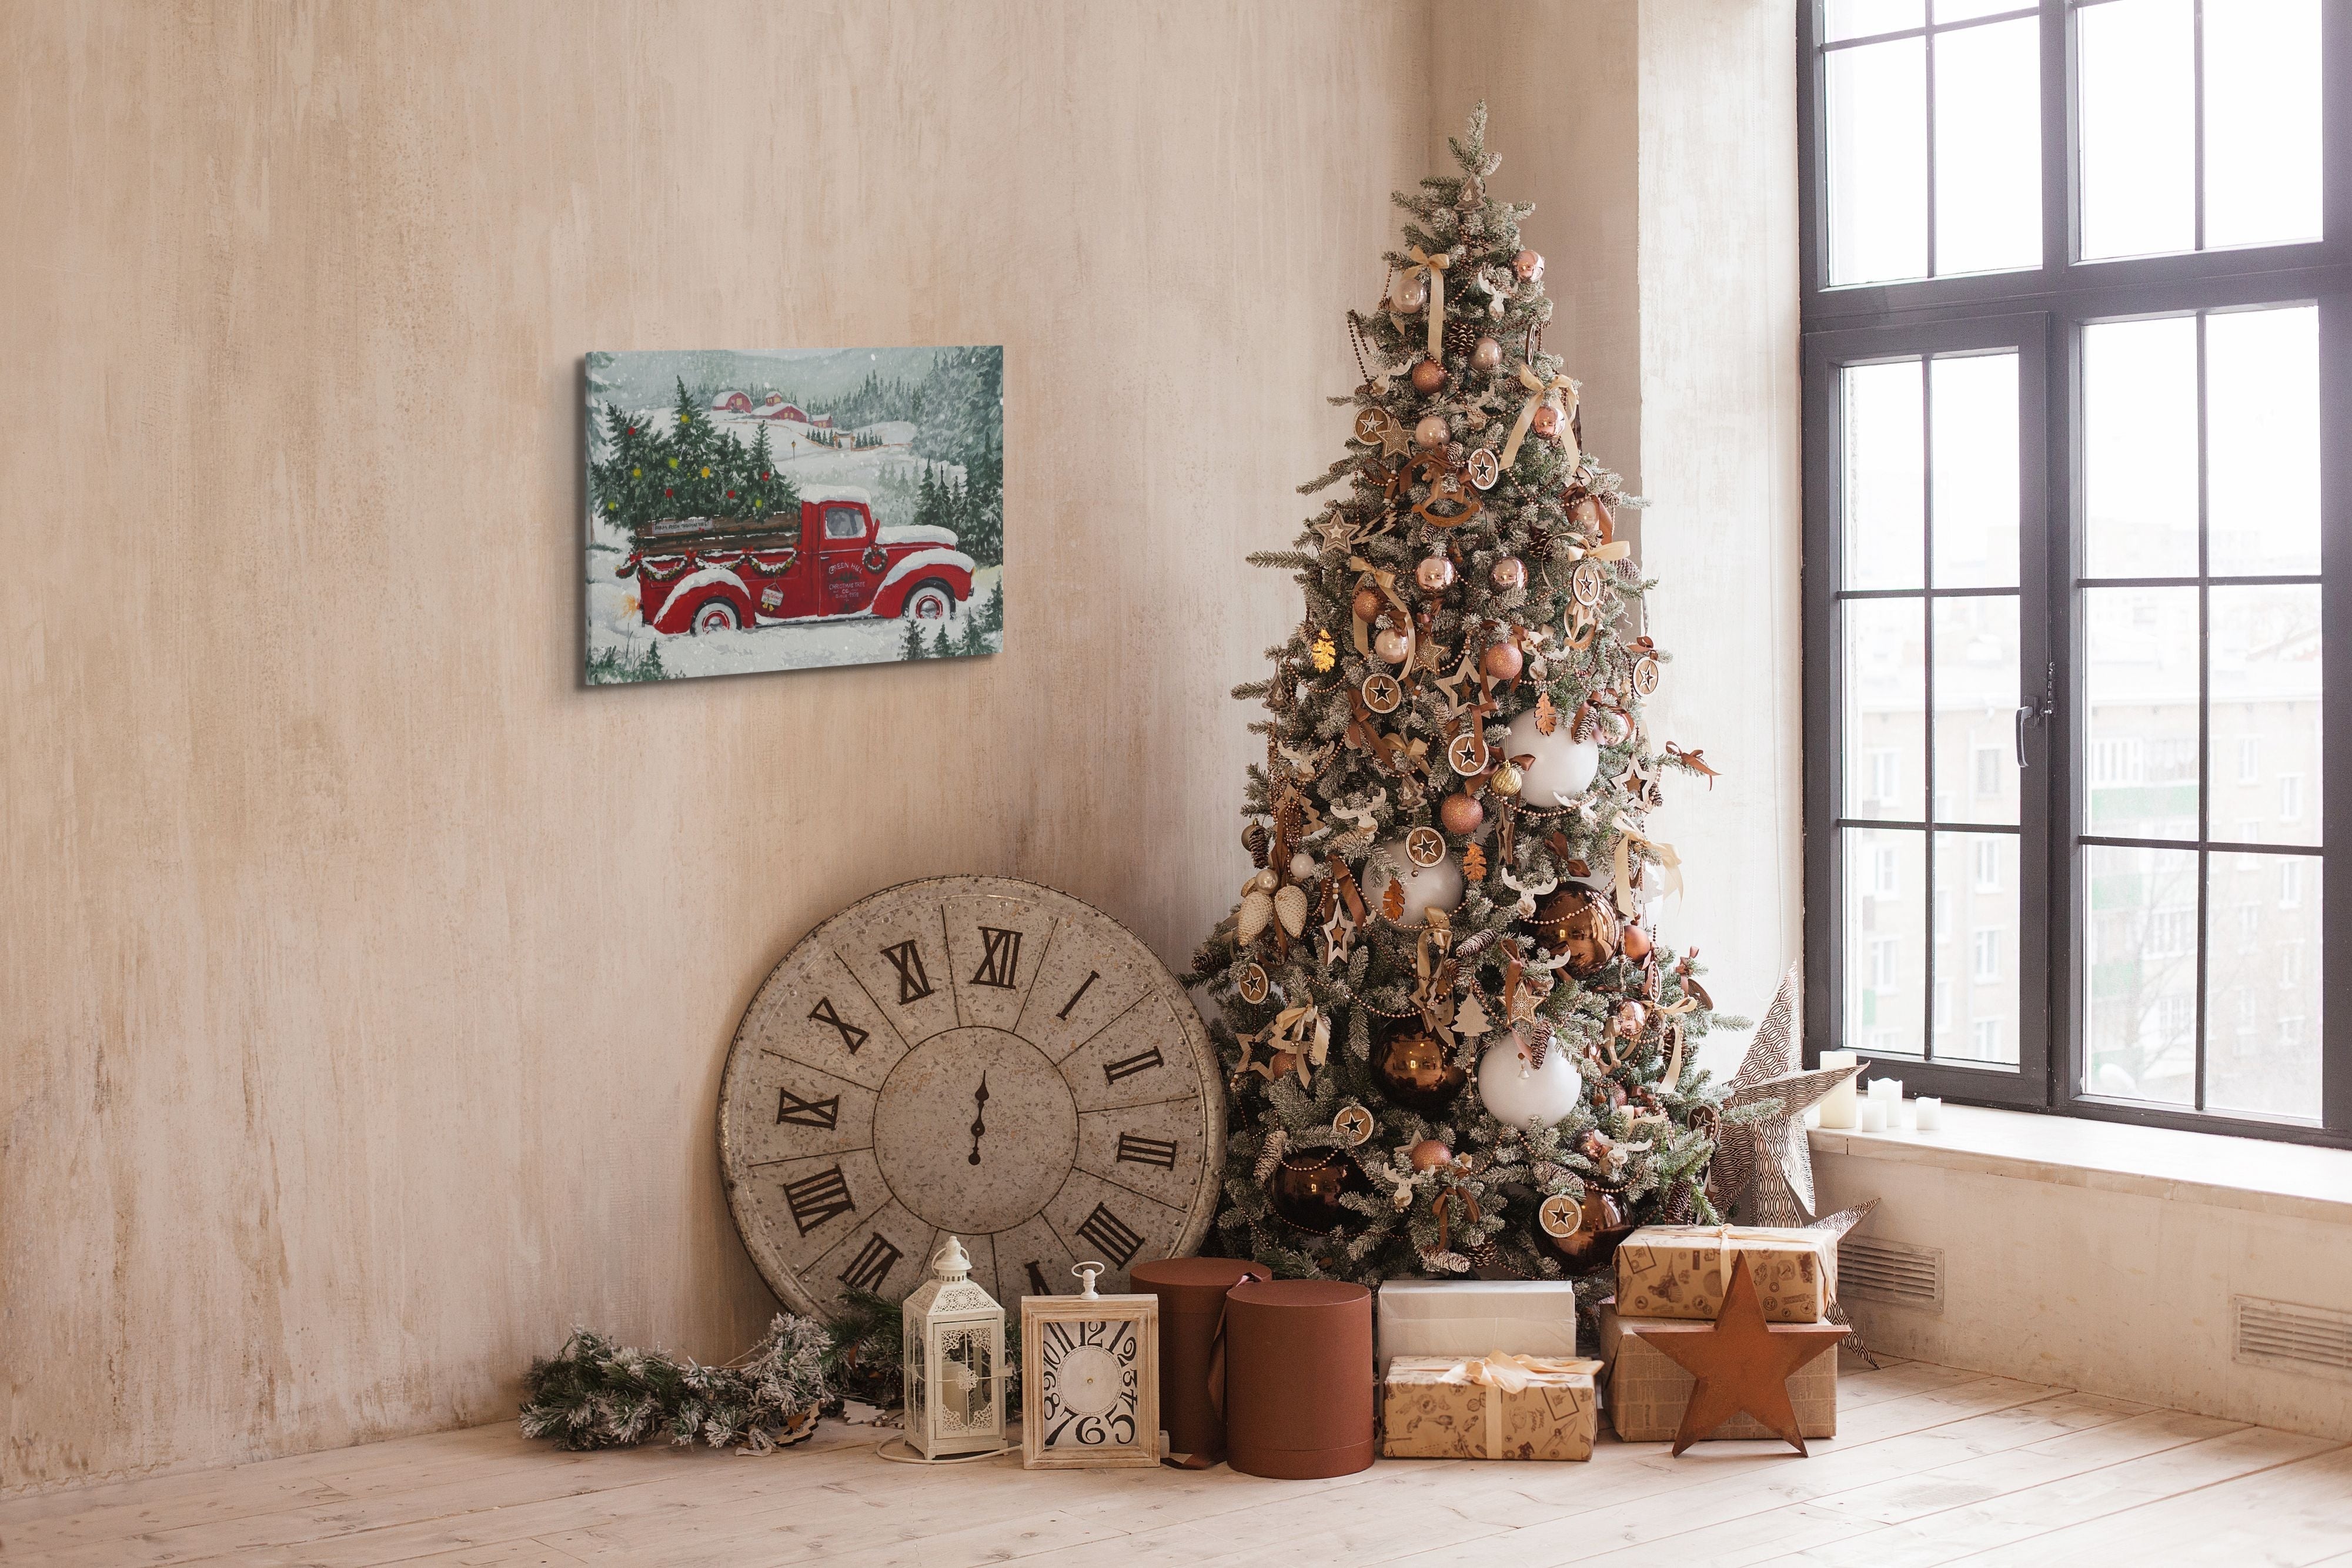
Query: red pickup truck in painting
{"type": "Point", "coordinates": [720, 574]}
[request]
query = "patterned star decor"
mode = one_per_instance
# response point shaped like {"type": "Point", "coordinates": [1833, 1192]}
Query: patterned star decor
{"type": "Point", "coordinates": [1743, 1363]}
{"type": "Point", "coordinates": [1766, 1167]}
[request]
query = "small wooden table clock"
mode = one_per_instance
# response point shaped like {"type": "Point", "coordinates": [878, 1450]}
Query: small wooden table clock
{"type": "Point", "coordinates": [1089, 1379]}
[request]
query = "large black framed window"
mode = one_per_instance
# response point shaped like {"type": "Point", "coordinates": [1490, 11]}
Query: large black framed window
{"type": "Point", "coordinates": [2078, 577]}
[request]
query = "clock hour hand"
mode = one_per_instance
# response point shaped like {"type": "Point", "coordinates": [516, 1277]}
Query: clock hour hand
{"type": "Point", "coordinates": [979, 1116]}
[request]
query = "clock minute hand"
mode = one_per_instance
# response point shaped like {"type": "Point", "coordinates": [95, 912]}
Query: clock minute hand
{"type": "Point", "coordinates": [979, 1116]}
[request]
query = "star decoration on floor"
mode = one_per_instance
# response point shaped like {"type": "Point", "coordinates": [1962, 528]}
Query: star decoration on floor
{"type": "Point", "coordinates": [1767, 1163]}
{"type": "Point", "coordinates": [1742, 1364]}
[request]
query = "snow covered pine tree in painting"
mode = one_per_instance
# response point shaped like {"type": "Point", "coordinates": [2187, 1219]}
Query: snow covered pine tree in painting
{"type": "Point", "coordinates": [791, 509]}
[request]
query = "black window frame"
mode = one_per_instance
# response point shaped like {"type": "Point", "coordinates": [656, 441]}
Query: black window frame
{"type": "Point", "coordinates": [2042, 310]}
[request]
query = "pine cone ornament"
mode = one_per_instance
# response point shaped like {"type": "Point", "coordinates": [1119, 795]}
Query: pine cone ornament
{"type": "Point", "coordinates": [1254, 839]}
{"type": "Point", "coordinates": [1461, 336]}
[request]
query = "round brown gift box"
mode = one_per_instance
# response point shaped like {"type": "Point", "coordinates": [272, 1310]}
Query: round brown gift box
{"type": "Point", "coordinates": [1298, 1378]}
{"type": "Point", "coordinates": [1191, 1292]}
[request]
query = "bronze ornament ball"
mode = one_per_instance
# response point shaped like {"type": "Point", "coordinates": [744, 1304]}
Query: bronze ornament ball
{"type": "Point", "coordinates": [1634, 943]}
{"type": "Point", "coordinates": [1503, 661]}
{"type": "Point", "coordinates": [1415, 1070]}
{"type": "Point", "coordinates": [1632, 1018]}
{"type": "Point", "coordinates": [1368, 603]}
{"type": "Point", "coordinates": [1392, 645]}
{"type": "Point", "coordinates": [1462, 814]}
{"type": "Point", "coordinates": [1431, 431]}
{"type": "Point", "coordinates": [1428, 376]}
{"type": "Point", "coordinates": [1305, 1188]}
{"type": "Point", "coordinates": [1436, 574]}
{"type": "Point", "coordinates": [1593, 1244]}
{"type": "Point", "coordinates": [1486, 355]}
{"type": "Point", "coordinates": [1428, 1155]}
{"type": "Point", "coordinates": [1577, 921]}
{"type": "Point", "coordinates": [1546, 422]}
{"type": "Point", "coordinates": [1408, 294]}
{"type": "Point", "coordinates": [1509, 573]}
{"type": "Point", "coordinates": [1529, 265]}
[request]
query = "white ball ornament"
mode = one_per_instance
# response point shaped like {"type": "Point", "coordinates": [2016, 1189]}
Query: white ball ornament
{"type": "Point", "coordinates": [1526, 1096]}
{"type": "Point", "coordinates": [1562, 767]}
{"type": "Point", "coordinates": [1426, 887]}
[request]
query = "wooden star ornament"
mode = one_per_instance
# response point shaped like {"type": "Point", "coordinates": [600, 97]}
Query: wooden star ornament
{"type": "Point", "coordinates": [1742, 1363]}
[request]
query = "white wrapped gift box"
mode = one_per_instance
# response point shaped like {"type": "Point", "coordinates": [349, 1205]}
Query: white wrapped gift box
{"type": "Point", "coordinates": [1474, 1317]}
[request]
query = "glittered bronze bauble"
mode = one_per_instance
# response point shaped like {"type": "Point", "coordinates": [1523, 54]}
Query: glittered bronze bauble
{"type": "Point", "coordinates": [1546, 422]}
{"type": "Point", "coordinates": [1428, 376]}
{"type": "Point", "coordinates": [1429, 1153]}
{"type": "Point", "coordinates": [1461, 814]}
{"type": "Point", "coordinates": [1306, 1189]}
{"type": "Point", "coordinates": [1503, 661]}
{"type": "Point", "coordinates": [1486, 355]}
{"type": "Point", "coordinates": [1431, 431]}
{"type": "Point", "coordinates": [1368, 603]}
{"type": "Point", "coordinates": [1579, 922]}
{"type": "Point", "coordinates": [1509, 573]}
{"type": "Point", "coordinates": [1392, 645]}
{"type": "Point", "coordinates": [1436, 574]}
{"type": "Point", "coordinates": [1417, 1071]}
{"type": "Point", "coordinates": [1635, 943]}
{"type": "Point", "coordinates": [1506, 778]}
{"type": "Point", "coordinates": [1593, 1244]}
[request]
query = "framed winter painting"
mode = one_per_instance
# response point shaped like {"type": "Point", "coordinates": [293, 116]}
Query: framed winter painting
{"type": "Point", "coordinates": [793, 508]}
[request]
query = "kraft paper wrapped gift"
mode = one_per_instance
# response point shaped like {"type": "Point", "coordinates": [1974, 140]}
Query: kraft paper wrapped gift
{"type": "Point", "coordinates": [1460, 1317]}
{"type": "Point", "coordinates": [1496, 1407]}
{"type": "Point", "coordinates": [1646, 1390]}
{"type": "Point", "coordinates": [1681, 1270]}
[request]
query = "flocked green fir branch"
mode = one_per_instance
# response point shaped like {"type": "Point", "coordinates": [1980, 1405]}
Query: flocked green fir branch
{"type": "Point", "coordinates": [594, 1394]}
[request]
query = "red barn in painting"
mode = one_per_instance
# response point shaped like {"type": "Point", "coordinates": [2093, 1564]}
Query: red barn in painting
{"type": "Point", "coordinates": [732, 403]}
{"type": "Point", "coordinates": [779, 409]}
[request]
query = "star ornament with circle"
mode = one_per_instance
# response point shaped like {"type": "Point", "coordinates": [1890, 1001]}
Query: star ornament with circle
{"type": "Point", "coordinates": [1742, 1364]}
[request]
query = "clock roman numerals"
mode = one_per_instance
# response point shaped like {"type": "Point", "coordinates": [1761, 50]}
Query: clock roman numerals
{"type": "Point", "coordinates": [852, 1036]}
{"type": "Point", "coordinates": [800, 1112]}
{"type": "Point", "coordinates": [999, 959]}
{"type": "Point", "coordinates": [1092, 976]}
{"type": "Point", "coordinates": [1037, 1286]}
{"type": "Point", "coordinates": [817, 1198]}
{"type": "Point", "coordinates": [914, 983]}
{"type": "Point", "coordinates": [1128, 1067]}
{"type": "Point", "coordinates": [1119, 1242]}
{"type": "Point", "coordinates": [872, 1265]}
{"type": "Point", "coordinates": [1137, 1150]}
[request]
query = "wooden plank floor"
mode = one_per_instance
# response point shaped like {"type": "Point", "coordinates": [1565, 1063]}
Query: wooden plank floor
{"type": "Point", "coordinates": [1931, 1466]}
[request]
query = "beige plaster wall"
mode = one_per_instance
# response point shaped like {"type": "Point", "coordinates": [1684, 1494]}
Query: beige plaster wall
{"type": "Point", "coordinates": [366, 980]}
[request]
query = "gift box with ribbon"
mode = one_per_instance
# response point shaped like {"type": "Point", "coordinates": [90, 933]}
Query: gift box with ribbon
{"type": "Point", "coordinates": [1458, 1317]}
{"type": "Point", "coordinates": [1681, 1270]}
{"type": "Point", "coordinates": [1495, 1407]}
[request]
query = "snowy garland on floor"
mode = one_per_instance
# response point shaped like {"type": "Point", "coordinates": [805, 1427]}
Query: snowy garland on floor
{"type": "Point", "coordinates": [594, 1394]}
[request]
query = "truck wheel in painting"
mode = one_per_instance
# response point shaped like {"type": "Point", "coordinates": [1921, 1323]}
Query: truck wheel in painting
{"type": "Point", "coordinates": [931, 600]}
{"type": "Point", "coordinates": [715, 615]}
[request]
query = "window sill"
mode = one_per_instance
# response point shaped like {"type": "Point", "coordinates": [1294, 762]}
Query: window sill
{"type": "Point", "coordinates": [2252, 1174]}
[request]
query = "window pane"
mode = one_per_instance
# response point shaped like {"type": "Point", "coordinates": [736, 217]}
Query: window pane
{"type": "Point", "coordinates": [1977, 688]}
{"type": "Point", "coordinates": [1989, 147]}
{"type": "Point", "coordinates": [1977, 951]}
{"type": "Point", "coordinates": [2261, 122]}
{"type": "Point", "coordinates": [2140, 694]}
{"type": "Point", "coordinates": [1878, 162]}
{"type": "Point", "coordinates": [2261, 440]}
{"type": "Point", "coordinates": [2262, 985]}
{"type": "Point", "coordinates": [2265, 692]}
{"type": "Point", "coordinates": [2140, 1015]}
{"type": "Point", "coordinates": [2135, 94]}
{"type": "Point", "coordinates": [2139, 446]}
{"type": "Point", "coordinates": [1858, 18]}
{"type": "Point", "coordinates": [1975, 419]}
{"type": "Point", "coordinates": [1885, 940]}
{"type": "Point", "coordinates": [1881, 483]}
{"type": "Point", "coordinates": [1961, 10]}
{"type": "Point", "coordinates": [1885, 695]}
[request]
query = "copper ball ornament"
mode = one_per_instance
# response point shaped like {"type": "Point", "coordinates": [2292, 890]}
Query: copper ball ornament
{"type": "Point", "coordinates": [1392, 645]}
{"type": "Point", "coordinates": [1461, 814]}
{"type": "Point", "coordinates": [1415, 1070]}
{"type": "Point", "coordinates": [1408, 294]}
{"type": "Point", "coordinates": [1431, 431]}
{"type": "Point", "coordinates": [1546, 422]}
{"type": "Point", "coordinates": [1368, 604]}
{"type": "Point", "coordinates": [1305, 1187]}
{"type": "Point", "coordinates": [1434, 574]}
{"type": "Point", "coordinates": [1486, 355]}
{"type": "Point", "coordinates": [1631, 1018]}
{"type": "Point", "coordinates": [1578, 924]}
{"type": "Point", "coordinates": [1503, 661]}
{"type": "Point", "coordinates": [1634, 943]}
{"type": "Point", "coordinates": [1428, 1155]}
{"type": "Point", "coordinates": [1509, 573]}
{"type": "Point", "coordinates": [1428, 375]}
{"type": "Point", "coordinates": [1592, 1245]}
{"type": "Point", "coordinates": [1529, 265]}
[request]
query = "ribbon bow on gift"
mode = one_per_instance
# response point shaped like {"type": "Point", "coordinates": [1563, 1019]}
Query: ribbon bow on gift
{"type": "Point", "coordinates": [1628, 836]}
{"type": "Point", "coordinates": [1500, 1372]}
{"type": "Point", "coordinates": [1433, 269]}
{"type": "Point", "coordinates": [1539, 392]}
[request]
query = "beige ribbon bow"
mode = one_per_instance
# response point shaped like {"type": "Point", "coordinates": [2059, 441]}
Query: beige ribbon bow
{"type": "Point", "coordinates": [1539, 392]}
{"type": "Point", "coordinates": [1433, 269]}
{"type": "Point", "coordinates": [1628, 836]}
{"type": "Point", "coordinates": [1615, 549]}
{"type": "Point", "coordinates": [1501, 1372]}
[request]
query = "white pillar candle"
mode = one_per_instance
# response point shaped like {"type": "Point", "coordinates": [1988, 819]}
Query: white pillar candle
{"type": "Point", "coordinates": [1928, 1114]}
{"type": "Point", "coordinates": [1887, 1090]}
{"type": "Point", "coordinates": [1837, 1105]}
{"type": "Point", "coordinates": [1872, 1112]}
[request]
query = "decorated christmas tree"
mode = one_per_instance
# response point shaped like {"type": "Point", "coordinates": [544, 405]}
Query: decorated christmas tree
{"type": "Point", "coordinates": [1455, 1041]}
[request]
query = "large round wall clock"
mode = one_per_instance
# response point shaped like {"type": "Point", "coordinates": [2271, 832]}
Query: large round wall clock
{"type": "Point", "coordinates": [973, 1056]}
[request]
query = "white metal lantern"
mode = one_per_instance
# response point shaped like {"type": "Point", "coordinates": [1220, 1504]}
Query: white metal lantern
{"type": "Point", "coordinates": [954, 1353]}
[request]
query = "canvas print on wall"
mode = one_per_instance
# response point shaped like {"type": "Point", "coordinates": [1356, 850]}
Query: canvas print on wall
{"type": "Point", "coordinates": [790, 509]}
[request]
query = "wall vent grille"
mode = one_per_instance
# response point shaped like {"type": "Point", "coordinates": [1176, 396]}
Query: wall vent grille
{"type": "Point", "coordinates": [2299, 1339]}
{"type": "Point", "coordinates": [1896, 1272]}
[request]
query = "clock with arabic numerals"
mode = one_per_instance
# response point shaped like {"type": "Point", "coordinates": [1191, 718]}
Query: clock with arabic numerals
{"type": "Point", "coordinates": [972, 1056]}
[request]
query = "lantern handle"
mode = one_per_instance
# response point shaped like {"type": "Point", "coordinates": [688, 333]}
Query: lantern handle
{"type": "Point", "coordinates": [1087, 1272]}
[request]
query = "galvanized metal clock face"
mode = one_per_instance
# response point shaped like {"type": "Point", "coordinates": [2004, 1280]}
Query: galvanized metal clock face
{"type": "Point", "coordinates": [968, 1055]}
